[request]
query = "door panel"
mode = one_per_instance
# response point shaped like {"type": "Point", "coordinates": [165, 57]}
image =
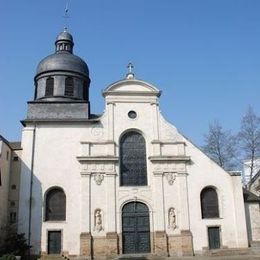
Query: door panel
{"type": "Point", "coordinates": [136, 228]}
{"type": "Point", "coordinates": [54, 242]}
{"type": "Point", "coordinates": [214, 237]}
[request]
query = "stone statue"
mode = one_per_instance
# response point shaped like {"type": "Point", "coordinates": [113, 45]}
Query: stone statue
{"type": "Point", "coordinates": [98, 220]}
{"type": "Point", "coordinates": [172, 219]}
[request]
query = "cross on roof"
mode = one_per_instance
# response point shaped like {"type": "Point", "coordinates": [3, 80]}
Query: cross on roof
{"type": "Point", "coordinates": [66, 14]}
{"type": "Point", "coordinates": [130, 74]}
{"type": "Point", "coordinates": [130, 66]}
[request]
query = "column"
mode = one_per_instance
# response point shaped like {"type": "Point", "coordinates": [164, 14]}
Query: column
{"type": "Point", "coordinates": [185, 245]}
{"type": "Point", "coordinates": [85, 236]}
{"type": "Point", "coordinates": [110, 118]}
{"type": "Point", "coordinates": [155, 121]}
{"type": "Point", "coordinates": [184, 221]}
{"type": "Point", "coordinates": [111, 217]}
{"type": "Point", "coordinates": [159, 232]}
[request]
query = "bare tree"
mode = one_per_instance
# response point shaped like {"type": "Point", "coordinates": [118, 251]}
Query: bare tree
{"type": "Point", "coordinates": [249, 138]}
{"type": "Point", "coordinates": [220, 146]}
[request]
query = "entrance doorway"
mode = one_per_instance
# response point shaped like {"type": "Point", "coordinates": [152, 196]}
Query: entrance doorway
{"type": "Point", "coordinates": [214, 237]}
{"type": "Point", "coordinates": [135, 228]}
{"type": "Point", "coordinates": [54, 242]}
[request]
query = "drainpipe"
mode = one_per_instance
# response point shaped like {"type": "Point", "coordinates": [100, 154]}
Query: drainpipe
{"type": "Point", "coordinates": [31, 186]}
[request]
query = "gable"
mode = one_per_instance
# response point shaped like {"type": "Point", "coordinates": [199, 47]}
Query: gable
{"type": "Point", "coordinates": [131, 87]}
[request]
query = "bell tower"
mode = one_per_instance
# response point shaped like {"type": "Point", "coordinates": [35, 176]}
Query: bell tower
{"type": "Point", "coordinates": [61, 85]}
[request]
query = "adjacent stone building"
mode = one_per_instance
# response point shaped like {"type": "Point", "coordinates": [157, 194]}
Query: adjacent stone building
{"type": "Point", "coordinates": [124, 182]}
{"type": "Point", "coordinates": [10, 166]}
{"type": "Point", "coordinates": [252, 209]}
{"type": "Point", "coordinates": [247, 180]}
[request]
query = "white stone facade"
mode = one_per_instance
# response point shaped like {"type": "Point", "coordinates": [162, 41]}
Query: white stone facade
{"type": "Point", "coordinates": [83, 159]}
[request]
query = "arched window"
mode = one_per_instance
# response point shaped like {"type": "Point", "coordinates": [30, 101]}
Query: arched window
{"type": "Point", "coordinates": [55, 205]}
{"type": "Point", "coordinates": [49, 87]}
{"type": "Point", "coordinates": [133, 170]}
{"type": "Point", "coordinates": [69, 87]}
{"type": "Point", "coordinates": [85, 91]}
{"type": "Point", "coordinates": [209, 203]}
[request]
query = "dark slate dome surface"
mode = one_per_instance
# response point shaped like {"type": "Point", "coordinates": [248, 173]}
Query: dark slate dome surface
{"type": "Point", "coordinates": [63, 61]}
{"type": "Point", "coordinates": [64, 36]}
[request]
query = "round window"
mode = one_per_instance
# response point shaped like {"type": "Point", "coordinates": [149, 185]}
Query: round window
{"type": "Point", "coordinates": [132, 114]}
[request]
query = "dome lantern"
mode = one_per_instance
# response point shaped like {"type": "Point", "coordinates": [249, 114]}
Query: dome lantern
{"type": "Point", "coordinates": [64, 42]}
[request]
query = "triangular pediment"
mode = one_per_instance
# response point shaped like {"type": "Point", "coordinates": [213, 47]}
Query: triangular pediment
{"type": "Point", "coordinates": [131, 87]}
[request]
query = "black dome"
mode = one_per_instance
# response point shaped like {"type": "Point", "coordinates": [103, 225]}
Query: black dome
{"type": "Point", "coordinates": [63, 61]}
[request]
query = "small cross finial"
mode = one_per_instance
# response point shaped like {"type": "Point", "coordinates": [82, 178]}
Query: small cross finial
{"type": "Point", "coordinates": [66, 15]}
{"type": "Point", "coordinates": [130, 74]}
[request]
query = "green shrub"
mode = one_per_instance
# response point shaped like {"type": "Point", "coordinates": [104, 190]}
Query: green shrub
{"type": "Point", "coordinates": [8, 257]}
{"type": "Point", "coordinates": [14, 245]}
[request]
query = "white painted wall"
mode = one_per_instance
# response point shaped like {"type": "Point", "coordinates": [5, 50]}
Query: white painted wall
{"type": "Point", "coordinates": [56, 163]}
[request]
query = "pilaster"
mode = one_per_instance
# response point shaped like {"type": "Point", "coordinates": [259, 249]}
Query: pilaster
{"type": "Point", "coordinates": [184, 221]}
{"type": "Point", "coordinates": [85, 236]}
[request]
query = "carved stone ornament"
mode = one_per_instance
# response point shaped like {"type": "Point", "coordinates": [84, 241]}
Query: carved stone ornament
{"type": "Point", "coordinates": [99, 177]}
{"type": "Point", "coordinates": [97, 132]}
{"type": "Point", "coordinates": [172, 219]}
{"type": "Point", "coordinates": [170, 177]}
{"type": "Point", "coordinates": [98, 220]}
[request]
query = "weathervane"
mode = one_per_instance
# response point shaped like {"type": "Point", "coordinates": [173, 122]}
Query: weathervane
{"type": "Point", "coordinates": [130, 74]}
{"type": "Point", "coordinates": [66, 16]}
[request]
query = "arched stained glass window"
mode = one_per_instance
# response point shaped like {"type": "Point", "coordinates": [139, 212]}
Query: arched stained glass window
{"type": "Point", "coordinates": [55, 205]}
{"type": "Point", "coordinates": [209, 203]}
{"type": "Point", "coordinates": [49, 87]}
{"type": "Point", "coordinates": [69, 87]}
{"type": "Point", "coordinates": [133, 170]}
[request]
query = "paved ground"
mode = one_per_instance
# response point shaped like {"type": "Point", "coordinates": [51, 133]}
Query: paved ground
{"type": "Point", "coordinates": [241, 257]}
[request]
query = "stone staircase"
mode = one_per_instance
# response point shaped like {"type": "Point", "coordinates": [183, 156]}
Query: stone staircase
{"type": "Point", "coordinates": [52, 257]}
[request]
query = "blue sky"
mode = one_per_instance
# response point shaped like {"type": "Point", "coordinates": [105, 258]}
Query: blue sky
{"type": "Point", "coordinates": [203, 54]}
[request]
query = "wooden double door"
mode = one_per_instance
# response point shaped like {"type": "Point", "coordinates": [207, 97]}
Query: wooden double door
{"type": "Point", "coordinates": [136, 228]}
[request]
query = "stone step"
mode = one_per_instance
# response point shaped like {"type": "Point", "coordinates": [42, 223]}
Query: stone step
{"type": "Point", "coordinates": [51, 257]}
{"type": "Point", "coordinates": [139, 257]}
{"type": "Point", "coordinates": [228, 252]}
{"type": "Point", "coordinates": [255, 244]}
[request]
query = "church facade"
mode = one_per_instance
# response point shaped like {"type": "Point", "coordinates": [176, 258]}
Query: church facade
{"type": "Point", "coordinates": [125, 182]}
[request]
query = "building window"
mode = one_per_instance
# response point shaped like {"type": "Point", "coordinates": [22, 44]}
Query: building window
{"type": "Point", "coordinates": [7, 155]}
{"type": "Point", "coordinates": [12, 217]}
{"type": "Point", "coordinates": [12, 203]}
{"type": "Point", "coordinates": [49, 87]}
{"type": "Point", "coordinates": [132, 114]}
{"type": "Point", "coordinates": [15, 158]}
{"type": "Point", "coordinates": [0, 178]}
{"type": "Point", "coordinates": [13, 187]}
{"type": "Point", "coordinates": [69, 87]}
{"type": "Point", "coordinates": [85, 91]}
{"type": "Point", "coordinates": [133, 170]}
{"type": "Point", "coordinates": [209, 203]}
{"type": "Point", "coordinates": [55, 205]}
{"type": "Point", "coordinates": [36, 90]}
